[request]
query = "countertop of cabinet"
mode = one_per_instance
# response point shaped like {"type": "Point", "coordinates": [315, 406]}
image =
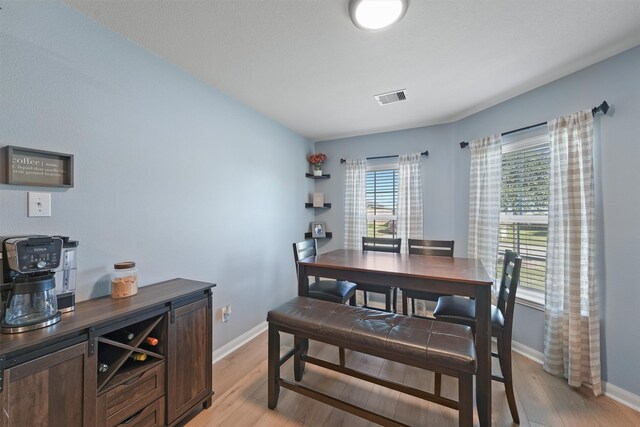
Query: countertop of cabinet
{"type": "Point", "coordinates": [94, 312]}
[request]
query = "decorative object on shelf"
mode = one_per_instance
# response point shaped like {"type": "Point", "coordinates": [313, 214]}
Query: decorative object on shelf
{"type": "Point", "coordinates": [318, 200]}
{"type": "Point", "coordinates": [318, 230]}
{"type": "Point", "coordinates": [317, 160]}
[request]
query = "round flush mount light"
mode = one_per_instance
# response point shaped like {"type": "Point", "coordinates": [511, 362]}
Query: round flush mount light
{"type": "Point", "coordinates": [376, 14]}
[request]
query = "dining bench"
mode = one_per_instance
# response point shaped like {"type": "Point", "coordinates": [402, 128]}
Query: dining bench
{"type": "Point", "coordinates": [428, 344]}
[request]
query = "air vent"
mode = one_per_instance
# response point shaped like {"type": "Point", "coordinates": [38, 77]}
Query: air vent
{"type": "Point", "coordinates": [390, 97]}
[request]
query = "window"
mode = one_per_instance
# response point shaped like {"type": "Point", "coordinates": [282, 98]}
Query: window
{"type": "Point", "coordinates": [524, 207]}
{"type": "Point", "coordinates": [382, 200]}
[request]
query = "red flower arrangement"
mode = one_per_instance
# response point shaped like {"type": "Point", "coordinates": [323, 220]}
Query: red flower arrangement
{"type": "Point", "coordinates": [317, 158]}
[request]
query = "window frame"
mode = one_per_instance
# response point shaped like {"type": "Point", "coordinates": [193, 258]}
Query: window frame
{"type": "Point", "coordinates": [527, 140]}
{"type": "Point", "coordinates": [375, 167]}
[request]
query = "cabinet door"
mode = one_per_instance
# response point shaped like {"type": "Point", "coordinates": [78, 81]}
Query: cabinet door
{"type": "Point", "coordinates": [189, 358]}
{"type": "Point", "coordinates": [56, 390]}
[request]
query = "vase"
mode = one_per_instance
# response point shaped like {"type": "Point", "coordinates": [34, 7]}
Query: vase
{"type": "Point", "coordinates": [317, 170]}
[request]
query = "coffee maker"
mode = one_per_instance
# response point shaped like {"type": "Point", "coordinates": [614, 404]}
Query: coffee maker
{"type": "Point", "coordinates": [65, 275]}
{"type": "Point", "coordinates": [28, 299]}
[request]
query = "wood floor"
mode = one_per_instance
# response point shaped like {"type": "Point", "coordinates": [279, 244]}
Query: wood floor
{"type": "Point", "coordinates": [240, 399]}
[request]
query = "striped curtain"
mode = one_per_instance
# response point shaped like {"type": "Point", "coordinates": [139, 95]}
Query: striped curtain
{"type": "Point", "coordinates": [484, 200]}
{"type": "Point", "coordinates": [355, 206]}
{"type": "Point", "coordinates": [409, 223]}
{"type": "Point", "coordinates": [572, 325]}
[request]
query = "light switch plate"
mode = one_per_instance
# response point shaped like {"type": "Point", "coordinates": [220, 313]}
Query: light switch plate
{"type": "Point", "coordinates": [39, 204]}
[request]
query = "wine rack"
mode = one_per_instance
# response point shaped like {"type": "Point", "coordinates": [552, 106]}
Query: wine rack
{"type": "Point", "coordinates": [116, 348]}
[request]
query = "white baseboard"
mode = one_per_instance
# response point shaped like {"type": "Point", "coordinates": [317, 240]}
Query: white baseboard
{"type": "Point", "coordinates": [621, 395]}
{"type": "Point", "coordinates": [236, 343]}
{"type": "Point", "coordinates": [614, 392]}
{"type": "Point", "coordinates": [527, 352]}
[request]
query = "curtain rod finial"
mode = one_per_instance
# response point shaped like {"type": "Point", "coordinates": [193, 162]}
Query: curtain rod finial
{"type": "Point", "coordinates": [603, 108]}
{"type": "Point", "coordinates": [464, 144]}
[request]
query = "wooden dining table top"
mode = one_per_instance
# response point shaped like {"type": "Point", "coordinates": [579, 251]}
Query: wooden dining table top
{"type": "Point", "coordinates": [446, 269]}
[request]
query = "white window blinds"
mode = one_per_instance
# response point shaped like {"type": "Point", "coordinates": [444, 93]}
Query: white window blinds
{"type": "Point", "coordinates": [382, 200]}
{"type": "Point", "coordinates": [524, 203]}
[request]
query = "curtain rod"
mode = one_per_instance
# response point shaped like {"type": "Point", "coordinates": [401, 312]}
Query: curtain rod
{"type": "Point", "coordinates": [602, 108]}
{"type": "Point", "coordinates": [424, 153]}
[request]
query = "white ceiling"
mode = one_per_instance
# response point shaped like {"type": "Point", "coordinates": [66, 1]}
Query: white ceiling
{"type": "Point", "coordinates": [304, 64]}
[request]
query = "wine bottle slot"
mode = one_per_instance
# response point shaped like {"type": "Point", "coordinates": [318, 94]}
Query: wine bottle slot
{"type": "Point", "coordinates": [123, 335]}
{"type": "Point", "coordinates": [138, 357]}
{"type": "Point", "coordinates": [151, 341]}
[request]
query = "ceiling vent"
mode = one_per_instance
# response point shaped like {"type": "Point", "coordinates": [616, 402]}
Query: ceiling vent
{"type": "Point", "coordinates": [390, 97]}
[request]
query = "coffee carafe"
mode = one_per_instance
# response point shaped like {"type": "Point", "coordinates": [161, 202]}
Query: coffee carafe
{"type": "Point", "coordinates": [28, 289]}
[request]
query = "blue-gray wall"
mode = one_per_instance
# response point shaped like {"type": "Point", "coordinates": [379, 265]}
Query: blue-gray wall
{"type": "Point", "coordinates": [617, 152]}
{"type": "Point", "coordinates": [169, 172]}
{"type": "Point", "coordinates": [186, 181]}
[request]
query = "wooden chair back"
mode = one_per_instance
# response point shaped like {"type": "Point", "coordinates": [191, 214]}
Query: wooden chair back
{"type": "Point", "coordinates": [381, 244]}
{"type": "Point", "coordinates": [508, 287]}
{"type": "Point", "coordinates": [305, 249]}
{"type": "Point", "coordinates": [431, 247]}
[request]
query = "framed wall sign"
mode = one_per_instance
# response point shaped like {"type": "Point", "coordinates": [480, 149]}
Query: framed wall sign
{"type": "Point", "coordinates": [26, 166]}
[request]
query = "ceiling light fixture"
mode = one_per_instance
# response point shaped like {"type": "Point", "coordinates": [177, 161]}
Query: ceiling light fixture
{"type": "Point", "coordinates": [376, 14]}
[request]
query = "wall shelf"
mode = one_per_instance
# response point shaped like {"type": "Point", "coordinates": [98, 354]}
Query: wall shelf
{"type": "Point", "coordinates": [329, 235]}
{"type": "Point", "coordinates": [310, 205]}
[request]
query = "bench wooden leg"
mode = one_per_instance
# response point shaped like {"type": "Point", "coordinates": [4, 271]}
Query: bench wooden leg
{"type": "Point", "coordinates": [405, 303]}
{"type": "Point", "coordinates": [273, 367]}
{"type": "Point", "coordinates": [302, 346]}
{"type": "Point", "coordinates": [465, 400]}
{"type": "Point", "coordinates": [437, 383]}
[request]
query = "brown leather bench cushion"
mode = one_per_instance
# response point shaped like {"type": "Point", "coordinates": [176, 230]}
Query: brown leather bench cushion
{"type": "Point", "coordinates": [418, 342]}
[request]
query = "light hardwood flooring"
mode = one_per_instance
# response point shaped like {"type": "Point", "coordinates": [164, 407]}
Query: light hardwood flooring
{"type": "Point", "coordinates": [239, 382]}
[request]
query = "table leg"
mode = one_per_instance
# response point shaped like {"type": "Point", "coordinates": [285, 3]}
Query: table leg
{"type": "Point", "coordinates": [302, 344]}
{"type": "Point", "coordinates": [483, 352]}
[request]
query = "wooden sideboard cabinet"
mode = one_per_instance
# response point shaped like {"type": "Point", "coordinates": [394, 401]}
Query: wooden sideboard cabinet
{"type": "Point", "coordinates": [139, 361]}
{"type": "Point", "coordinates": [56, 390]}
{"type": "Point", "coordinates": [188, 352]}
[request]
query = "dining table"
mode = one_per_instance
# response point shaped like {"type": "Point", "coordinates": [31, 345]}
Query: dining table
{"type": "Point", "coordinates": [443, 275]}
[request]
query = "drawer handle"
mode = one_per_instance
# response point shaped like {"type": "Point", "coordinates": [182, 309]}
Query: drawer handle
{"type": "Point", "coordinates": [133, 417]}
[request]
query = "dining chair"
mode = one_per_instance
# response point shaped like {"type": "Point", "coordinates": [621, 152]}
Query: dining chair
{"type": "Point", "coordinates": [424, 247]}
{"type": "Point", "coordinates": [462, 310]}
{"type": "Point", "coordinates": [380, 244]}
{"type": "Point", "coordinates": [331, 290]}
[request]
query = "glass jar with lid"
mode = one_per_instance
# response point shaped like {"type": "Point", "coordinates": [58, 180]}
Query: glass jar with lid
{"type": "Point", "coordinates": [124, 279]}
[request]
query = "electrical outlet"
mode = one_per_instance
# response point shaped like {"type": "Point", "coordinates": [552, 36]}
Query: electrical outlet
{"type": "Point", "coordinates": [39, 204]}
{"type": "Point", "coordinates": [226, 313]}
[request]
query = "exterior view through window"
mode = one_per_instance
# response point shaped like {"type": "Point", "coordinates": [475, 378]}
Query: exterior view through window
{"type": "Point", "coordinates": [382, 200]}
{"type": "Point", "coordinates": [524, 207]}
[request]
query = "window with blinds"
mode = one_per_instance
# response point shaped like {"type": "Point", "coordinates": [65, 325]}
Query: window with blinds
{"type": "Point", "coordinates": [382, 200]}
{"type": "Point", "coordinates": [524, 206]}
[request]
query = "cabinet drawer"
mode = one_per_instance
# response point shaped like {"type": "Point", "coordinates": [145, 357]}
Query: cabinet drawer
{"type": "Point", "coordinates": [151, 416]}
{"type": "Point", "coordinates": [128, 398]}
